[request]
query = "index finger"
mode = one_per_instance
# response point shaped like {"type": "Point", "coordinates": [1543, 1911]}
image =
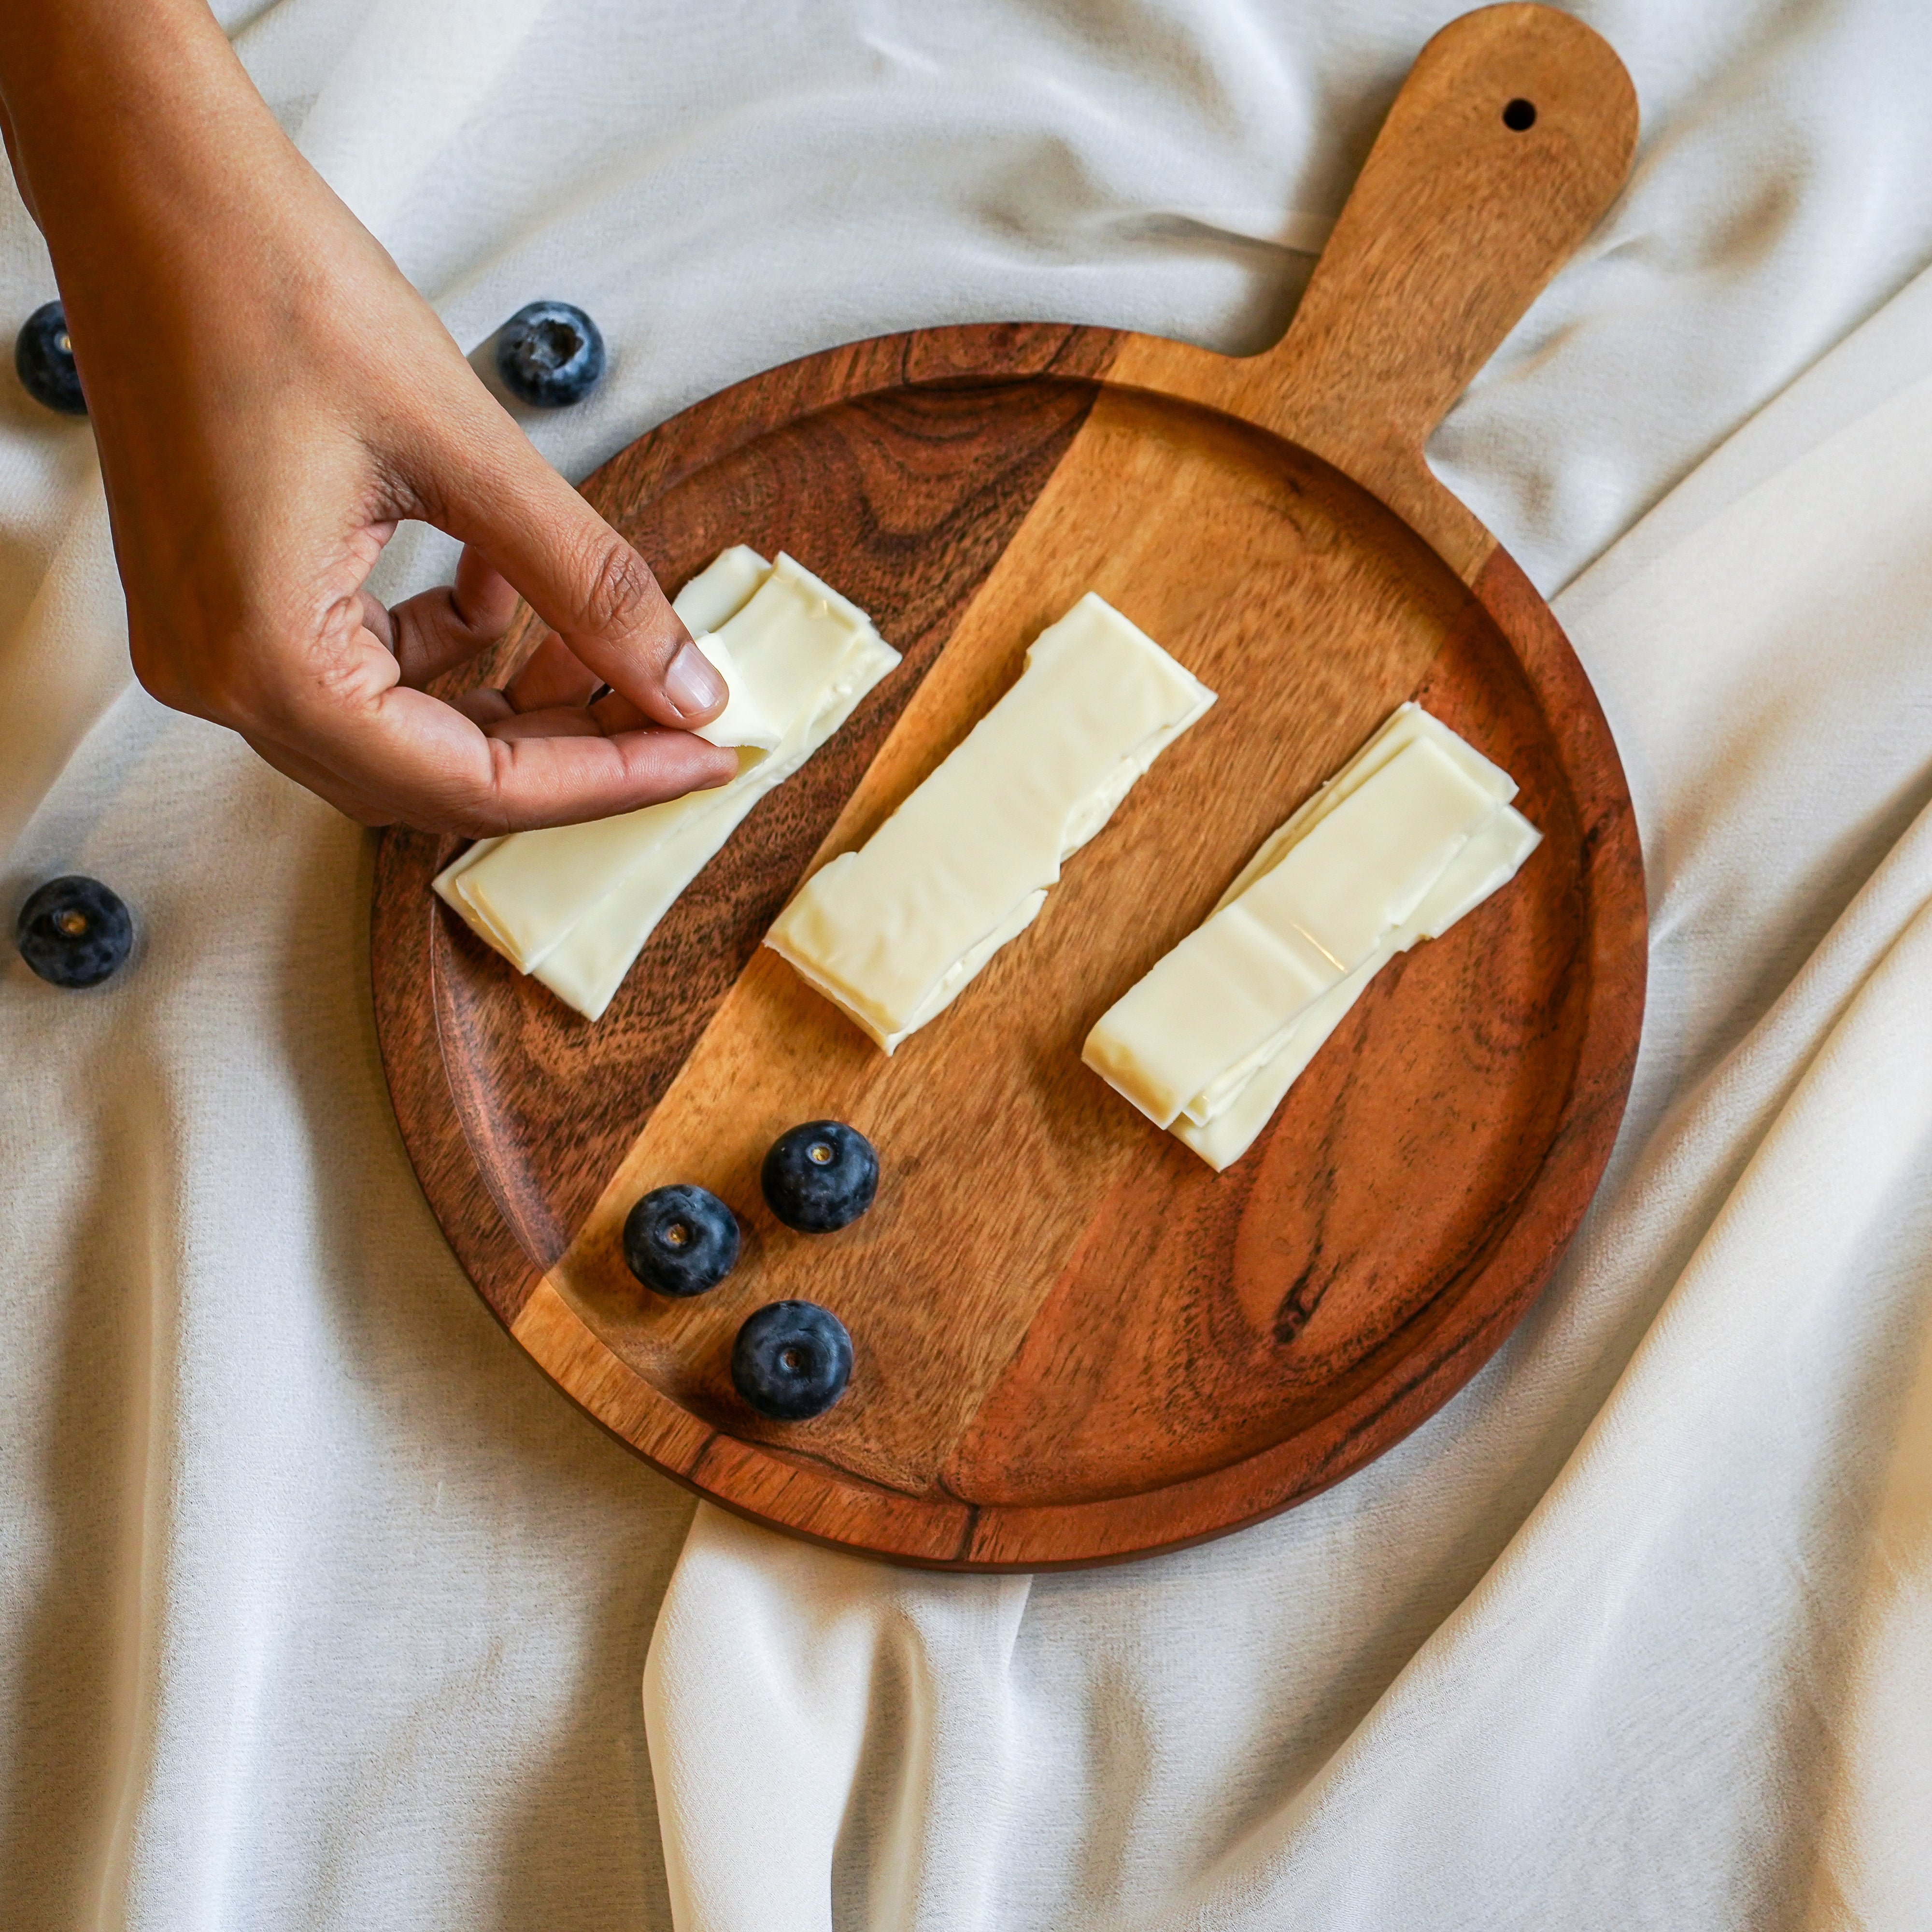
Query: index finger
{"type": "Point", "coordinates": [580, 575]}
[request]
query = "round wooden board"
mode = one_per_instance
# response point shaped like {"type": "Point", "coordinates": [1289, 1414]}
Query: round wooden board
{"type": "Point", "coordinates": [1075, 1343]}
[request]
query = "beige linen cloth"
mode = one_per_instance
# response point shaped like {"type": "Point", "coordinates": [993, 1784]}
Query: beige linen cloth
{"type": "Point", "coordinates": [319, 1609]}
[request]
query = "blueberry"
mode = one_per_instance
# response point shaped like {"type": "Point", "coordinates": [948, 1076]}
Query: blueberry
{"type": "Point", "coordinates": [820, 1176]}
{"type": "Point", "coordinates": [681, 1240]}
{"type": "Point", "coordinates": [791, 1360]}
{"type": "Point", "coordinates": [74, 932]}
{"type": "Point", "coordinates": [44, 359]}
{"type": "Point", "coordinates": [549, 354]}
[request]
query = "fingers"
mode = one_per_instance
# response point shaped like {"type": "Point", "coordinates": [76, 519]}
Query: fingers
{"type": "Point", "coordinates": [346, 798]}
{"type": "Point", "coordinates": [382, 750]}
{"type": "Point", "coordinates": [441, 628]}
{"type": "Point", "coordinates": [554, 675]}
{"type": "Point", "coordinates": [419, 760]}
{"type": "Point", "coordinates": [581, 577]}
{"type": "Point", "coordinates": [499, 717]}
{"type": "Point", "coordinates": [434, 632]}
{"type": "Point", "coordinates": [447, 771]}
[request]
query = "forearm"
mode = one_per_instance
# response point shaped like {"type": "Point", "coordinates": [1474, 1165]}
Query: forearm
{"type": "Point", "coordinates": [107, 101]}
{"type": "Point", "coordinates": [145, 151]}
{"type": "Point", "coordinates": [155, 168]}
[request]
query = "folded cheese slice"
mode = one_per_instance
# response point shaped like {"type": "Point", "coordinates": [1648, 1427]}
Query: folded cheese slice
{"type": "Point", "coordinates": [574, 905]}
{"type": "Point", "coordinates": [1489, 860]}
{"type": "Point", "coordinates": [585, 968]}
{"type": "Point", "coordinates": [708, 604]}
{"type": "Point", "coordinates": [892, 932]}
{"type": "Point", "coordinates": [1399, 845]}
{"type": "Point", "coordinates": [1400, 729]}
{"type": "Point", "coordinates": [721, 589]}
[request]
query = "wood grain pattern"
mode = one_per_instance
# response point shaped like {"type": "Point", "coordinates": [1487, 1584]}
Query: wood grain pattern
{"type": "Point", "coordinates": [1456, 222]}
{"type": "Point", "coordinates": [1075, 1343]}
{"type": "Point", "coordinates": [873, 454]}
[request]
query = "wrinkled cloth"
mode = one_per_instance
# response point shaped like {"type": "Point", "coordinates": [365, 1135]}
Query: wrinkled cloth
{"type": "Point", "coordinates": [1638, 1630]}
{"type": "Point", "coordinates": [318, 1609]}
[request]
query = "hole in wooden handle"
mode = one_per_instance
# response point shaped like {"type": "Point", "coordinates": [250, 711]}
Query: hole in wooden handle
{"type": "Point", "coordinates": [1519, 116]}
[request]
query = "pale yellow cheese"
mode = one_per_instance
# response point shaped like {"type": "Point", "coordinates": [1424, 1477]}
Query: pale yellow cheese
{"type": "Point", "coordinates": [893, 932]}
{"type": "Point", "coordinates": [1401, 728]}
{"type": "Point", "coordinates": [721, 589]}
{"type": "Point", "coordinates": [1489, 860]}
{"type": "Point", "coordinates": [1190, 1034]}
{"type": "Point", "coordinates": [716, 593]}
{"type": "Point", "coordinates": [588, 965]}
{"type": "Point", "coordinates": [574, 905]}
{"type": "Point", "coordinates": [753, 642]}
{"type": "Point", "coordinates": [745, 722]}
{"type": "Point", "coordinates": [1187, 1033]}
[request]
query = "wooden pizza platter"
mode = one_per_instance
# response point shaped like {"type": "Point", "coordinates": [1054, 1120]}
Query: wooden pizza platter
{"type": "Point", "coordinates": [1075, 1343]}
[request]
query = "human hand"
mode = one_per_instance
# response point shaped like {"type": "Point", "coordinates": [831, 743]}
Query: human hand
{"type": "Point", "coordinates": [270, 397]}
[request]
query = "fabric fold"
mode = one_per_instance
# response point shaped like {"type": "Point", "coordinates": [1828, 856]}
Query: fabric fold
{"type": "Point", "coordinates": [398, 1593]}
{"type": "Point", "coordinates": [1630, 1560]}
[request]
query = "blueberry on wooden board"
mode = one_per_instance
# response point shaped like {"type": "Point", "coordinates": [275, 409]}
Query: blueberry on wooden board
{"type": "Point", "coordinates": [549, 354]}
{"type": "Point", "coordinates": [820, 1177]}
{"type": "Point", "coordinates": [791, 1360]}
{"type": "Point", "coordinates": [43, 360]}
{"type": "Point", "coordinates": [681, 1240]}
{"type": "Point", "coordinates": [74, 932]}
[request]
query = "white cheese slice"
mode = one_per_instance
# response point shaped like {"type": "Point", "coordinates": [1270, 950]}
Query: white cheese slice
{"type": "Point", "coordinates": [446, 889]}
{"type": "Point", "coordinates": [721, 589]}
{"type": "Point", "coordinates": [893, 933]}
{"type": "Point", "coordinates": [1401, 728]}
{"type": "Point", "coordinates": [717, 593]}
{"type": "Point", "coordinates": [574, 905]}
{"type": "Point", "coordinates": [745, 721]}
{"type": "Point", "coordinates": [713, 605]}
{"type": "Point", "coordinates": [588, 964]}
{"type": "Point", "coordinates": [1189, 1035]}
{"type": "Point", "coordinates": [1489, 859]}
{"type": "Point", "coordinates": [789, 643]}
{"type": "Point", "coordinates": [468, 856]}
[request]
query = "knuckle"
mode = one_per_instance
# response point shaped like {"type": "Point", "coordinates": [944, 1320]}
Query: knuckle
{"type": "Point", "coordinates": [619, 586]}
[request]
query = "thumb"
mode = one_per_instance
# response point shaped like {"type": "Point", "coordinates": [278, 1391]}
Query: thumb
{"type": "Point", "coordinates": [581, 577]}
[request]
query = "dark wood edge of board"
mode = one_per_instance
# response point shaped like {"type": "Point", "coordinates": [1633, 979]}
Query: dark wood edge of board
{"type": "Point", "coordinates": [792, 1493]}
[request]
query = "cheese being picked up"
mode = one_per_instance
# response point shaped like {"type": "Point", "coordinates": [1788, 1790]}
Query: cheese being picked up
{"type": "Point", "coordinates": [892, 933]}
{"type": "Point", "coordinates": [574, 904]}
{"type": "Point", "coordinates": [1413, 832]}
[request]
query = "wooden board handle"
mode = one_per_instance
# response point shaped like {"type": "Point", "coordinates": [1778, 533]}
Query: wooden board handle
{"type": "Point", "coordinates": [1509, 140]}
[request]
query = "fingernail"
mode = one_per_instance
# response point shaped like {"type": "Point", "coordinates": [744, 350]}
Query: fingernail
{"type": "Point", "coordinates": [692, 683]}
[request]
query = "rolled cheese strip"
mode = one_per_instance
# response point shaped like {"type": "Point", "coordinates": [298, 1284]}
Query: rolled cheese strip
{"type": "Point", "coordinates": [1189, 1035]}
{"type": "Point", "coordinates": [707, 604]}
{"type": "Point", "coordinates": [893, 932]}
{"type": "Point", "coordinates": [790, 644]}
{"type": "Point", "coordinates": [667, 845]}
{"type": "Point", "coordinates": [722, 588]}
{"type": "Point", "coordinates": [745, 721]}
{"type": "Point", "coordinates": [1489, 860]}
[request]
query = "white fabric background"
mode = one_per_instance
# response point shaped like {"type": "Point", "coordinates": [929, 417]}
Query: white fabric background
{"type": "Point", "coordinates": [1575, 1654]}
{"type": "Point", "coordinates": [317, 1609]}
